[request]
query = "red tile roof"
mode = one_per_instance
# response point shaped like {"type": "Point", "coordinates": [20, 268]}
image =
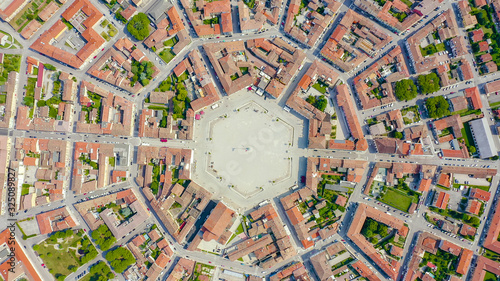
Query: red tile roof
{"type": "Point", "coordinates": [93, 40]}
{"type": "Point", "coordinates": [477, 35]}
{"type": "Point", "coordinates": [473, 95]}
{"type": "Point", "coordinates": [444, 180]}
{"type": "Point", "coordinates": [464, 261]}
{"type": "Point", "coordinates": [22, 263]}
{"type": "Point", "coordinates": [341, 200]}
{"type": "Point", "coordinates": [483, 46]}
{"type": "Point", "coordinates": [45, 220]}
{"type": "Point", "coordinates": [295, 215]}
{"type": "Point", "coordinates": [442, 200]}
{"type": "Point", "coordinates": [425, 184]}
{"type": "Point", "coordinates": [128, 12]}
{"type": "Point", "coordinates": [474, 206]}
{"type": "Point", "coordinates": [344, 100]}
{"type": "Point", "coordinates": [449, 247]}
{"type": "Point", "coordinates": [480, 194]}
{"type": "Point", "coordinates": [217, 222]}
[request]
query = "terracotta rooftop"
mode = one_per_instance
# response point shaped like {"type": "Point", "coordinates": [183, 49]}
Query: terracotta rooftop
{"type": "Point", "coordinates": [218, 221]}
{"type": "Point", "coordinates": [363, 211]}
{"type": "Point", "coordinates": [93, 40]}
{"type": "Point", "coordinates": [479, 194]}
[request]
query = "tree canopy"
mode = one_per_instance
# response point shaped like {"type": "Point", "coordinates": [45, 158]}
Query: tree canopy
{"type": "Point", "coordinates": [406, 90]}
{"type": "Point", "coordinates": [429, 83]}
{"type": "Point", "coordinates": [120, 259]}
{"type": "Point", "coordinates": [143, 72]}
{"type": "Point", "coordinates": [138, 26]}
{"type": "Point", "coordinates": [100, 272]}
{"type": "Point", "coordinates": [437, 107]}
{"type": "Point", "coordinates": [103, 237]}
{"type": "Point", "coordinates": [319, 102]}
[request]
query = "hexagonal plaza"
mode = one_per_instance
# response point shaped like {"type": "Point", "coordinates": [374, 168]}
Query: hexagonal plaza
{"type": "Point", "coordinates": [248, 149]}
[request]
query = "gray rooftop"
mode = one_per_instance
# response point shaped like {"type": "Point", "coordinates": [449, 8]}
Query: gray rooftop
{"type": "Point", "coordinates": [158, 9]}
{"type": "Point", "coordinates": [483, 138]}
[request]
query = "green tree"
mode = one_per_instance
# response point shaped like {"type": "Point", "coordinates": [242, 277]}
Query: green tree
{"type": "Point", "coordinates": [41, 103]}
{"type": "Point", "coordinates": [311, 99]}
{"type": "Point", "coordinates": [406, 90]}
{"type": "Point", "coordinates": [429, 83]}
{"type": "Point", "coordinates": [437, 107]}
{"type": "Point", "coordinates": [120, 259]}
{"type": "Point", "coordinates": [36, 247]}
{"type": "Point", "coordinates": [145, 82]}
{"type": "Point", "coordinates": [49, 67]}
{"type": "Point", "coordinates": [382, 229]}
{"type": "Point", "coordinates": [368, 233]}
{"type": "Point", "coordinates": [472, 149]}
{"type": "Point", "coordinates": [154, 187]}
{"type": "Point", "coordinates": [475, 47]}
{"type": "Point", "coordinates": [372, 225]}
{"type": "Point", "coordinates": [103, 237]}
{"type": "Point", "coordinates": [29, 101]}
{"type": "Point", "coordinates": [321, 103]}
{"type": "Point", "coordinates": [474, 221]}
{"type": "Point", "coordinates": [398, 135]}
{"type": "Point", "coordinates": [138, 26]}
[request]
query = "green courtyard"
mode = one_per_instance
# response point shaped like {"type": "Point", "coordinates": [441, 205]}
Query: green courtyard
{"type": "Point", "coordinates": [65, 251]}
{"type": "Point", "coordinates": [397, 199]}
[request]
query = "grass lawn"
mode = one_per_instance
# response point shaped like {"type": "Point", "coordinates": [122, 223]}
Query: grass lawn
{"type": "Point", "coordinates": [230, 239]}
{"type": "Point", "coordinates": [495, 104]}
{"type": "Point", "coordinates": [239, 229]}
{"type": "Point", "coordinates": [442, 187]}
{"type": "Point", "coordinates": [202, 269]}
{"type": "Point", "coordinates": [170, 42]}
{"type": "Point", "coordinates": [440, 47]}
{"type": "Point", "coordinates": [487, 30]}
{"type": "Point", "coordinates": [60, 260]}
{"type": "Point", "coordinates": [490, 276]}
{"type": "Point", "coordinates": [485, 188]}
{"type": "Point", "coordinates": [428, 50]}
{"type": "Point", "coordinates": [166, 55]}
{"type": "Point", "coordinates": [320, 88]}
{"type": "Point", "coordinates": [25, 189]}
{"type": "Point", "coordinates": [491, 255]}
{"type": "Point", "coordinates": [467, 135]}
{"type": "Point", "coordinates": [3, 99]}
{"type": "Point", "coordinates": [396, 199]}
{"type": "Point", "coordinates": [10, 63]}
{"type": "Point", "coordinates": [7, 45]}
{"type": "Point", "coordinates": [30, 87]}
{"type": "Point", "coordinates": [407, 2]}
{"type": "Point", "coordinates": [184, 76]}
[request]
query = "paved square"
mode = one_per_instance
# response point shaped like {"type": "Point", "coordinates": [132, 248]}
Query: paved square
{"type": "Point", "coordinates": [250, 149]}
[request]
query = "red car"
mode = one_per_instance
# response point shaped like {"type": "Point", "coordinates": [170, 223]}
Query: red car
{"type": "Point", "coordinates": [163, 140]}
